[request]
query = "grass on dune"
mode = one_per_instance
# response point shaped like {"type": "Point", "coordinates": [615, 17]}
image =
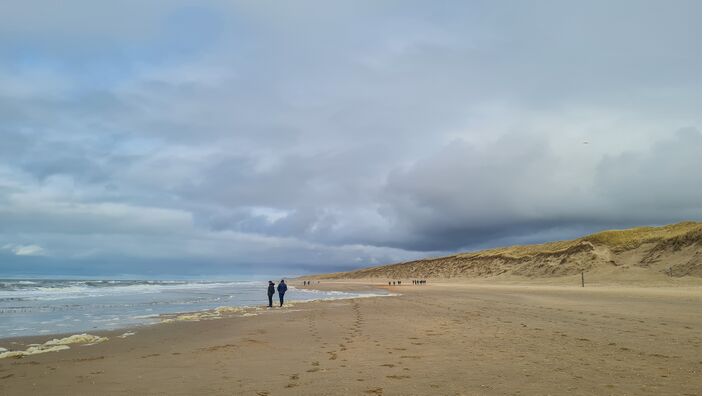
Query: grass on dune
{"type": "Point", "coordinates": [634, 237]}
{"type": "Point", "coordinates": [615, 239]}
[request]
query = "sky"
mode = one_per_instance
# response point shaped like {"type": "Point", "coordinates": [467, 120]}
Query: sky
{"type": "Point", "coordinates": [175, 138]}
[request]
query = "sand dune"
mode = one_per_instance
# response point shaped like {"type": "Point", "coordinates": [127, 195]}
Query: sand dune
{"type": "Point", "coordinates": [668, 251]}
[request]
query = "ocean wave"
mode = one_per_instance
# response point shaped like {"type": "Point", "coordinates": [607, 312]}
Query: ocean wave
{"type": "Point", "coordinates": [55, 290]}
{"type": "Point", "coordinates": [77, 306]}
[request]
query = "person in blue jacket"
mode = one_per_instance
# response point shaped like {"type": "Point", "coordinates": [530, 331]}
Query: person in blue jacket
{"type": "Point", "coordinates": [270, 292]}
{"type": "Point", "coordinates": [282, 290]}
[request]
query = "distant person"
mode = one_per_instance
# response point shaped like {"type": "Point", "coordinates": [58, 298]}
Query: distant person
{"type": "Point", "coordinates": [270, 293]}
{"type": "Point", "coordinates": [282, 290]}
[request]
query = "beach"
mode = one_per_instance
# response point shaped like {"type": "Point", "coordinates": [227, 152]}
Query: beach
{"type": "Point", "coordinates": [445, 338]}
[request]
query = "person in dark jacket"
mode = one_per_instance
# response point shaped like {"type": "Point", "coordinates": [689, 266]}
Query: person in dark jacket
{"type": "Point", "coordinates": [270, 292]}
{"type": "Point", "coordinates": [282, 290]}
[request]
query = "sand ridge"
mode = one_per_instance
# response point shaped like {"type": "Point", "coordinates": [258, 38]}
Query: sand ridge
{"type": "Point", "coordinates": [673, 251]}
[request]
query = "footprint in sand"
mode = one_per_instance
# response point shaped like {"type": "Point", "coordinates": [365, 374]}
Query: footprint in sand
{"type": "Point", "coordinates": [291, 385]}
{"type": "Point", "coordinates": [375, 391]}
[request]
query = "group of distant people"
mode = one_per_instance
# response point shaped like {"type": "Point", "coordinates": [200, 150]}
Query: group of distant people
{"type": "Point", "coordinates": [307, 283]}
{"type": "Point", "coordinates": [281, 288]}
{"type": "Point", "coordinates": [415, 282]}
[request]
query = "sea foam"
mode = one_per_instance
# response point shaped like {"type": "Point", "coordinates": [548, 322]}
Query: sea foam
{"type": "Point", "coordinates": [217, 313]}
{"type": "Point", "coordinates": [55, 345]}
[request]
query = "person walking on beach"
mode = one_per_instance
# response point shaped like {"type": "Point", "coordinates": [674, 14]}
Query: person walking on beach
{"type": "Point", "coordinates": [270, 292]}
{"type": "Point", "coordinates": [282, 290]}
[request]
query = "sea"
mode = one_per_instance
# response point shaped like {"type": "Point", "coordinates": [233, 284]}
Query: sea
{"type": "Point", "coordinates": [50, 306]}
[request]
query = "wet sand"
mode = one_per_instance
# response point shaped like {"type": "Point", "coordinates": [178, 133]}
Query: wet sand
{"type": "Point", "coordinates": [438, 339]}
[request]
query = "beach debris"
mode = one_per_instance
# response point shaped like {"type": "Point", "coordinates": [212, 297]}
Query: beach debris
{"type": "Point", "coordinates": [55, 345]}
{"type": "Point", "coordinates": [125, 335]}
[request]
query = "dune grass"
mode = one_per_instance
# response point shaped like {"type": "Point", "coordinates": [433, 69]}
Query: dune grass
{"type": "Point", "coordinates": [615, 239]}
{"type": "Point", "coordinates": [634, 237]}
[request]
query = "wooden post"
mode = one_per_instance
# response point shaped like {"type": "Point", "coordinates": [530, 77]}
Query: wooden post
{"type": "Point", "coordinates": [582, 278]}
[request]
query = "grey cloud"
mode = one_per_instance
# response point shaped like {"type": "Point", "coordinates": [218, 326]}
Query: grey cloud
{"type": "Point", "coordinates": [511, 188]}
{"type": "Point", "coordinates": [327, 135]}
{"type": "Point", "coordinates": [662, 182]}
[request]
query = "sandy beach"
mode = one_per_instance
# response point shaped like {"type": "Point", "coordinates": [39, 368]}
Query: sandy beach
{"type": "Point", "coordinates": [441, 339]}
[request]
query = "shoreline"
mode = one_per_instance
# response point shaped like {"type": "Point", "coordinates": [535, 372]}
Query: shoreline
{"type": "Point", "coordinates": [176, 317]}
{"type": "Point", "coordinates": [357, 286]}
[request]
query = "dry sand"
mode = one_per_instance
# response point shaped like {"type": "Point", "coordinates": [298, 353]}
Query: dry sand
{"type": "Point", "coordinates": [439, 339]}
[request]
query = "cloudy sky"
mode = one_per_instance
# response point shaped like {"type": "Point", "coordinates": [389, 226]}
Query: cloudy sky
{"type": "Point", "coordinates": [224, 138]}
